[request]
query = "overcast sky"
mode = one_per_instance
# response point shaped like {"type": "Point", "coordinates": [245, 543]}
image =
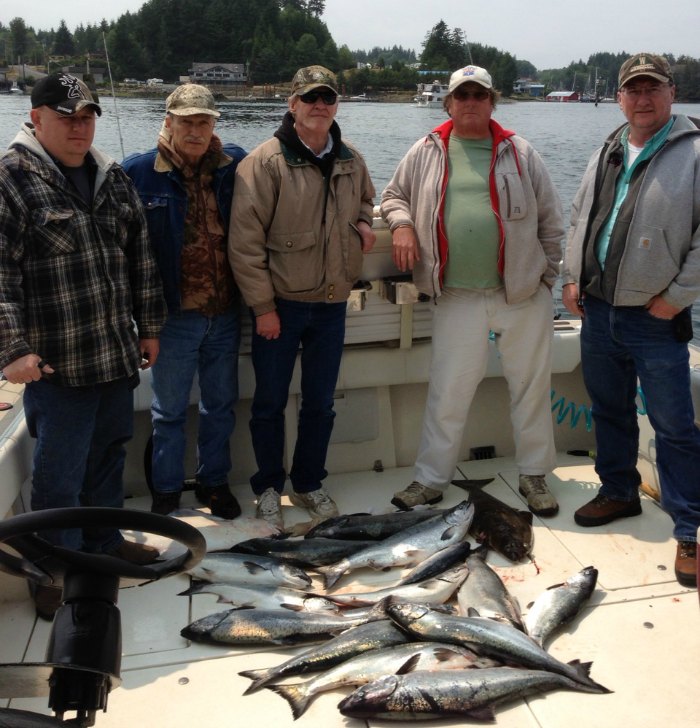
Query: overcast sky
{"type": "Point", "coordinates": [548, 33]}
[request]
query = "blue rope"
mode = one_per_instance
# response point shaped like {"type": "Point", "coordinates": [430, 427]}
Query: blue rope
{"type": "Point", "coordinates": [574, 412]}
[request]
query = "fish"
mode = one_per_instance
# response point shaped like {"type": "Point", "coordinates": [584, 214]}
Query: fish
{"type": "Point", "coordinates": [219, 533]}
{"type": "Point", "coordinates": [372, 665]}
{"type": "Point", "coordinates": [486, 637]}
{"type": "Point", "coordinates": [307, 553]}
{"type": "Point", "coordinates": [450, 694]}
{"type": "Point", "coordinates": [483, 590]}
{"type": "Point", "coordinates": [365, 637]}
{"type": "Point", "coordinates": [435, 590]}
{"type": "Point", "coordinates": [496, 524]}
{"type": "Point", "coordinates": [260, 597]}
{"type": "Point", "coordinates": [559, 604]}
{"type": "Point", "coordinates": [271, 626]}
{"type": "Point", "coordinates": [241, 569]}
{"type": "Point", "coordinates": [437, 563]}
{"type": "Point", "coordinates": [407, 547]}
{"type": "Point", "coordinates": [372, 527]}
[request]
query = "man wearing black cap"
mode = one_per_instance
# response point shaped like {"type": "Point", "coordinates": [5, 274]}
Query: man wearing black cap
{"type": "Point", "coordinates": [632, 272]}
{"type": "Point", "coordinates": [301, 221]}
{"type": "Point", "coordinates": [81, 308]}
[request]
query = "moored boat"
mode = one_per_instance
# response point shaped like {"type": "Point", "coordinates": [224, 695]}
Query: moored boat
{"type": "Point", "coordinates": [431, 95]}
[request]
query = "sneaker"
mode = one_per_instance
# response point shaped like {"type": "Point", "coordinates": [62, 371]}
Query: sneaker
{"type": "Point", "coordinates": [222, 503]}
{"type": "Point", "coordinates": [416, 495]}
{"type": "Point", "coordinates": [687, 563]}
{"type": "Point", "coordinates": [135, 553]}
{"type": "Point", "coordinates": [165, 503]}
{"type": "Point", "coordinates": [602, 510]}
{"type": "Point", "coordinates": [269, 508]}
{"type": "Point", "coordinates": [47, 600]}
{"type": "Point", "coordinates": [317, 502]}
{"type": "Point", "coordinates": [539, 500]}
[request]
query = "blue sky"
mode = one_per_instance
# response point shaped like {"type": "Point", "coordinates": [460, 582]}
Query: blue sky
{"type": "Point", "coordinates": [548, 33]}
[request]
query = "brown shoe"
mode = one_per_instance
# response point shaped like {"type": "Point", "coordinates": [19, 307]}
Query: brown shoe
{"type": "Point", "coordinates": [135, 553]}
{"type": "Point", "coordinates": [687, 563]}
{"type": "Point", "coordinates": [602, 510]}
{"type": "Point", "coordinates": [47, 600]}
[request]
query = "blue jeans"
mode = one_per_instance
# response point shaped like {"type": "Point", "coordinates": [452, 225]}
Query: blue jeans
{"type": "Point", "coordinates": [79, 453]}
{"type": "Point", "coordinates": [190, 344]}
{"type": "Point", "coordinates": [320, 329]}
{"type": "Point", "coordinates": [619, 344]}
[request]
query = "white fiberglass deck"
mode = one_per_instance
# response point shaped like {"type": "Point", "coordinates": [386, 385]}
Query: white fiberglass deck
{"type": "Point", "coordinates": [641, 629]}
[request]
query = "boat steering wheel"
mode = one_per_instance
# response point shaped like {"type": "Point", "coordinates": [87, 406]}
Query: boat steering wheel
{"type": "Point", "coordinates": [83, 658]}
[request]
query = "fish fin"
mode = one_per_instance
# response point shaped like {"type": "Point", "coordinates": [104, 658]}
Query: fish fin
{"type": "Point", "coordinates": [471, 612]}
{"type": "Point", "coordinates": [259, 677]}
{"type": "Point", "coordinates": [296, 695]}
{"type": "Point", "coordinates": [448, 533]}
{"type": "Point", "coordinates": [292, 607]}
{"type": "Point", "coordinates": [186, 593]}
{"type": "Point", "coordinates": [253, 568]}
{"type": "Point", "coordinates": [409, 666]}
{"type": "Point", "coordinates": [583, 669]}
{"type": "Point", "coordinates": [443, 654]}
{"type": "Point", "coordinates": [331, 574]}
{"type": "Point", "coordinates": [468, 483]}
{"type": "Point", "coordinates": [555, 586]}
{"type": "Point", "coordinates": [526, 516]}
{"type": "Point", "coordinates": [486, 714]}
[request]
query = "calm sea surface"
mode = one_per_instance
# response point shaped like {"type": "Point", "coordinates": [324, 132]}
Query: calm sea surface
{"type": "Point", "coordinates": [564, 134]}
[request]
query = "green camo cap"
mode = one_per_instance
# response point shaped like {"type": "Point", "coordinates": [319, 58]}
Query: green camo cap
{"type": "Point", "coordinates": [311, 77]}
{"type": "Point", "coordinates": [190, 99]}
{"type": "Point", "coordinates": [645, 64]}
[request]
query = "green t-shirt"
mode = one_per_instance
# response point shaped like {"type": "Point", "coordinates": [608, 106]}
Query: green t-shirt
{"type": "Point", "coordinates": [470, 224]}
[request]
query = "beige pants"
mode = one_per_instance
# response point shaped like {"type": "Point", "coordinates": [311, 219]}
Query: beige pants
{"type": "Point", "coordinates": [460, 352]}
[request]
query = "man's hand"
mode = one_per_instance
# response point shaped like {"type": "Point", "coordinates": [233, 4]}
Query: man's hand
{"type": "Point", "coordinates": [367, 235]}
{"type": "Point", "coordinates": [149, 352]}
{"type": "Point", "coordinates": [570, 299]}
{"type": "Point", "coordinates": [268, 325]}
{"type": "Point", "coordinates": [28, 368]}
{"type": "Point", "coordinates": [404, 248]}
{"type": "Point", "coordinates": [658, 308]}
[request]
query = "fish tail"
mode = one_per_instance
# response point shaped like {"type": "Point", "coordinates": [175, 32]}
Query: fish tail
{"type": "Point", "coordinates": [296, 695]}
{"type": "Point", "coordinates": [259, 678]}
{"type": "Point", "coordinates": [331, 575]}
{"type": "Point", "coordinates": [583, 669]}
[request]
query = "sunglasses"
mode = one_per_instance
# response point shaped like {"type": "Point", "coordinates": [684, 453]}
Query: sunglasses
{"type": "Point", "coordinates": [311, 97]}
{"type": "Point", "coordinates": [463, 95]}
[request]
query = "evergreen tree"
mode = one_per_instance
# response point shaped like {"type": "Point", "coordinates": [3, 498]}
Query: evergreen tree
{"type": "Point", "coordinates": [63, 44]}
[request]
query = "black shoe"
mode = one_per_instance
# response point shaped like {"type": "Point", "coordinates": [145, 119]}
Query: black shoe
{"type": "Point", "coordinates": [220, 500]}
{"type": "Point", "coordinates": [47, 600]}
{"type": "Point", "coordinates": [165, 503]}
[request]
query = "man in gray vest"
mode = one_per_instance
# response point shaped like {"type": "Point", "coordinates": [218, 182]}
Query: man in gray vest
{"type": "Point", "coordinates": [632, 271]}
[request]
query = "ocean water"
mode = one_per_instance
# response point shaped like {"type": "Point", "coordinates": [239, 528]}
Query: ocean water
{"type": "Point", "coordinates": [565, 135]}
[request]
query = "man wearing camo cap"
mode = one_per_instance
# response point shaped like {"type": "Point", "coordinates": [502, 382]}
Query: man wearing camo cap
{"type": "Point", "coordinates": [186, 186]}
{"type": "Point", "coordinates": [302, 217]}
{"type": "Point", "coordinates": [632, 272]}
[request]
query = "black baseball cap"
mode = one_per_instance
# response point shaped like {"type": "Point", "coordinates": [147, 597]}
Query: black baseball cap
{"type": "Point", "coordinates": [63, 93]}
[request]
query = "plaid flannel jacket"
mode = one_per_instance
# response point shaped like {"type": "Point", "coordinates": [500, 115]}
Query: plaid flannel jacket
{"type": "Point", "coordinates": [78, 283]}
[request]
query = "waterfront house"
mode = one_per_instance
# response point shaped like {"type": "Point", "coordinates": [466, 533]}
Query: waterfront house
{"type": "Point", "coordinates": [563, 96]}
{"type": "Point", "coordinates": [219, 74]}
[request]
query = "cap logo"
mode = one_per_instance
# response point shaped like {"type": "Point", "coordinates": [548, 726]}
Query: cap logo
{"type": "Point", "coordinates": [73, 90]}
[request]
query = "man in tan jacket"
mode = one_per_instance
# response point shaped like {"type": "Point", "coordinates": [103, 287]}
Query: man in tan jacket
{"type": "Point", "coordinates": [300, 223]}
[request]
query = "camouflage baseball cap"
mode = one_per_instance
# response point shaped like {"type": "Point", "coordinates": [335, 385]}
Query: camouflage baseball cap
{"type": "Point", "coordinates": [189, 99]}
{"type": "Point", "coordinates": [311, 77]}
{"type": "Point", "coordinates": [645, 64]}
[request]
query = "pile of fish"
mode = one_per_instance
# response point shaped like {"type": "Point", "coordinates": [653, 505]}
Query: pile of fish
{"type": "Point", "coordinates": [446, 639]}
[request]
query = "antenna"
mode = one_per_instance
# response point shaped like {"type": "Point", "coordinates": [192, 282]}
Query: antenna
{"type": "Point", "coordinates": [114, 98]}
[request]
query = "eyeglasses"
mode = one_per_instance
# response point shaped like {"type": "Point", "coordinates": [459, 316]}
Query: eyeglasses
{"type": "Point", "coordinates": [311, 97]}
{"type": "Point", "coordinates": [636, 92]}
{"type": "Point", "coordinates": [462, 94]}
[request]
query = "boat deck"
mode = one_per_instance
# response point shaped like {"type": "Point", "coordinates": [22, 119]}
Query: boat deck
{"type": "Point", "coordinates": [640, 628]}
